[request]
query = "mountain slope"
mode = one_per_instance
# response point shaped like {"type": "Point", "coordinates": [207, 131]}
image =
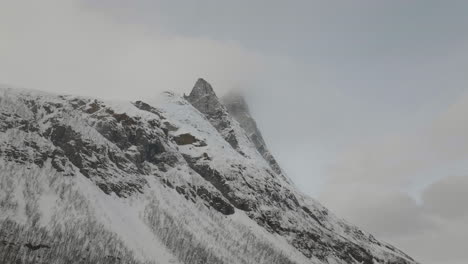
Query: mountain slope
{"type": "Point", "coordinates": [239, 110]}
{"type": "Point", "coordinates": [170, 180]}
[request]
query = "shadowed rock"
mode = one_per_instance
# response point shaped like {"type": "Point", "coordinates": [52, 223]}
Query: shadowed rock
{"type": "Point", "coordinates": [204, 99]}
{"type": "Point", "coordinates": [35, 247]}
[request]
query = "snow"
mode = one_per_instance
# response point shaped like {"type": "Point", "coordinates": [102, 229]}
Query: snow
{"type": "Point", "coordinates": [60, 200]}
{"type": "Point", "coordinates": [47, 202]}
{"type": "Point", "coordinates": [277, 240]}
{"type": "Point", "coordinates": [123, 217]}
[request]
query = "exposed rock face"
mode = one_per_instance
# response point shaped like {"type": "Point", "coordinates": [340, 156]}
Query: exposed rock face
{"type": "Point", "coordinates": [186, 139]}
{"type": "Point", "coordinates": [89, 181]}
{"type": "Point", "coordinates": [238, 108]}
{"type": "Point", "coordinates": [205, 100]}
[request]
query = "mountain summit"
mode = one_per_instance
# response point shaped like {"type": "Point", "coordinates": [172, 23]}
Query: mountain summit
{"type": "Point", "coordinates": [204, 98]}
{"type": "Point", "coordinates": [170, 180]}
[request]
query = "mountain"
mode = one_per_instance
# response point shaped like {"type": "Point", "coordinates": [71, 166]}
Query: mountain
{"type": "Point", "coordinates": [168, 180]}
{"type": "Point", "coordinates": [239, 110]}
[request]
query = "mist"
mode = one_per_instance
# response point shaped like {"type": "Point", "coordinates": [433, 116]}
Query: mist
{"type": "Point", "coordinates": [363, 104]}
{"type": "Point", "coordinates": [65, 47]}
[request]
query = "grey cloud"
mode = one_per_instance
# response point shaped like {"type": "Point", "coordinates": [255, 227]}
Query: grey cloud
{"type": "Point", "coordinates": [360, 101]}
{"type": "Point", "coordinates": [446, 243]}
{"type": "Point", "coordinates": [385, 213]}
{"type": "Point", "coordinates": [62, 46]}
{"type": "Point", "coordinates": [433, 232]}
{"type": "Point", "coordinates": [447, 198]}
{"type": "Point", "coordinates": [369, 184]}
{"type": "Point", "coordinates": [363, 29]}
{"type": "Point", "coordinates": [400, 159]}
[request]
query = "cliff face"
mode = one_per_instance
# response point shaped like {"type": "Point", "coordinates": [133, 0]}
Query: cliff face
{"type": "Point", "coordinates": [170, 180]}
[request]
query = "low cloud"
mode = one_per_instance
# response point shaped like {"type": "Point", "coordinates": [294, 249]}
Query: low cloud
{"type": "Point", "coordinates": [443, 203]}
{"type": "Point", "coordinates": [433, 231]}
{"type": "Point", "coordinates": [401, 188]}
{"type": "Point", "coordinates": [447, 198]}
{"type": "Point", "coordinates": [65, 46]}
{"type": "Point", "coordinates": [385, 213]}
{"type": "Point", "coordinates": [398, 160]}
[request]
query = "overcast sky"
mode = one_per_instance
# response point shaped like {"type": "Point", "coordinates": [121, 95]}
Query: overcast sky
{"type": "Point", "coordinates": [364, 103]}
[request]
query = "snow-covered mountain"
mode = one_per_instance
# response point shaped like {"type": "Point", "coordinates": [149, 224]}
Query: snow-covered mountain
{"type": "Point", "coordinates": [171, 180]}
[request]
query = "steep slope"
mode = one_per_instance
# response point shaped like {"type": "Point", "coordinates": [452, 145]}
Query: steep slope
{"type": "Point", "coordinates": [164, 181]}
{"type": "Point", "coordinates": [238, 108]}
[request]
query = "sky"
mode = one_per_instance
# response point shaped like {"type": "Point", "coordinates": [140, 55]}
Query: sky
{"type": "Point", "coordinates": [364, 103]}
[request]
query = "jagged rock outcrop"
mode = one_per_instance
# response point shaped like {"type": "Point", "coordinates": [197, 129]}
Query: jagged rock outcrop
{"type": "Point", "coordinates": [205, 100]}
{"type": "Point", "coordinates": [169, 180]}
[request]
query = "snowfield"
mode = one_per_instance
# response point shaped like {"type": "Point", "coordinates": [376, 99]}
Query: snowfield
{"type": "Point", "coordinates": [170, 180]}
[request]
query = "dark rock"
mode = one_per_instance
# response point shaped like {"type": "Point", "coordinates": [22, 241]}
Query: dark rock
{"type": "Point", "coordinates": [180, 189]}
{"type": "Point", "coordinates": [220, 183]}
{"type": "Point", "coordinates": [93, 161]}
{"type": "Point", "coordinates": [215, 201]}
{"type": "Point", "coordinates": [59, 160]}
{"type": "Point", "coordinates": [204, 99]}
{"type": "Point", "coordinates": [153, 149]}
{"type": "Point", "coordinates": [93, 107]}
{"type": "Point", "coordinates": [35, 247]}
{"type": "Point", "coordinates": [186, 139]}
{"type": "Point", "coordinates": [170, 127]}
{"type": "Point", "coordinates": [169, 158]}
{"type": "Point", "coordinates": [148, 108]}
{"type": "Point", "coordinates": [125, 119]}
{"type": "Point", "coordinates": [77, 103]}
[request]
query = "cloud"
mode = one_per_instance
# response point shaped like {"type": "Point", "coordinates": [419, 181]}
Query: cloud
{"type": "Point", "coordinates": [357, 74]}
{"type": "Point", "coordinates": [382, 212]}
{"type": "Point", "coordinates": [402, 187]}
{"type": "Point", "coordinates": [433, 232]}
{"type": "Point", "coordinates": [444, 244]}
{"type": "Point", "coordinates": [64, 46]}
{"type": "Point", "coordinates": [410, 156]}
{"type": "Point", "coordinates": [447, 198]}
{"type": "Point", "coordinates": [444, 204]}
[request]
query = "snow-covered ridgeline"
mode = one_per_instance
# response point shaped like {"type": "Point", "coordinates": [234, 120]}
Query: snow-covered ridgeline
{"type": "Point", "coordinates": [91, 181]}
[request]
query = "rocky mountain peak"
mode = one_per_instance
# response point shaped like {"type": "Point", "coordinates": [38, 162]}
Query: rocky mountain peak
{"type": "Point", "coordinates": [204, 98]}
{"type": "Point", "coordinates": [202, 87]}
{"type": "Point", "coordinates": [223, 114]}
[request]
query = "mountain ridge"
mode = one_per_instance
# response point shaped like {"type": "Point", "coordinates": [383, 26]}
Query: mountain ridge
{"type": "Point", "coordinates": [239, 109]}
{"type": "Point", "coordinates": [182, 172]}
